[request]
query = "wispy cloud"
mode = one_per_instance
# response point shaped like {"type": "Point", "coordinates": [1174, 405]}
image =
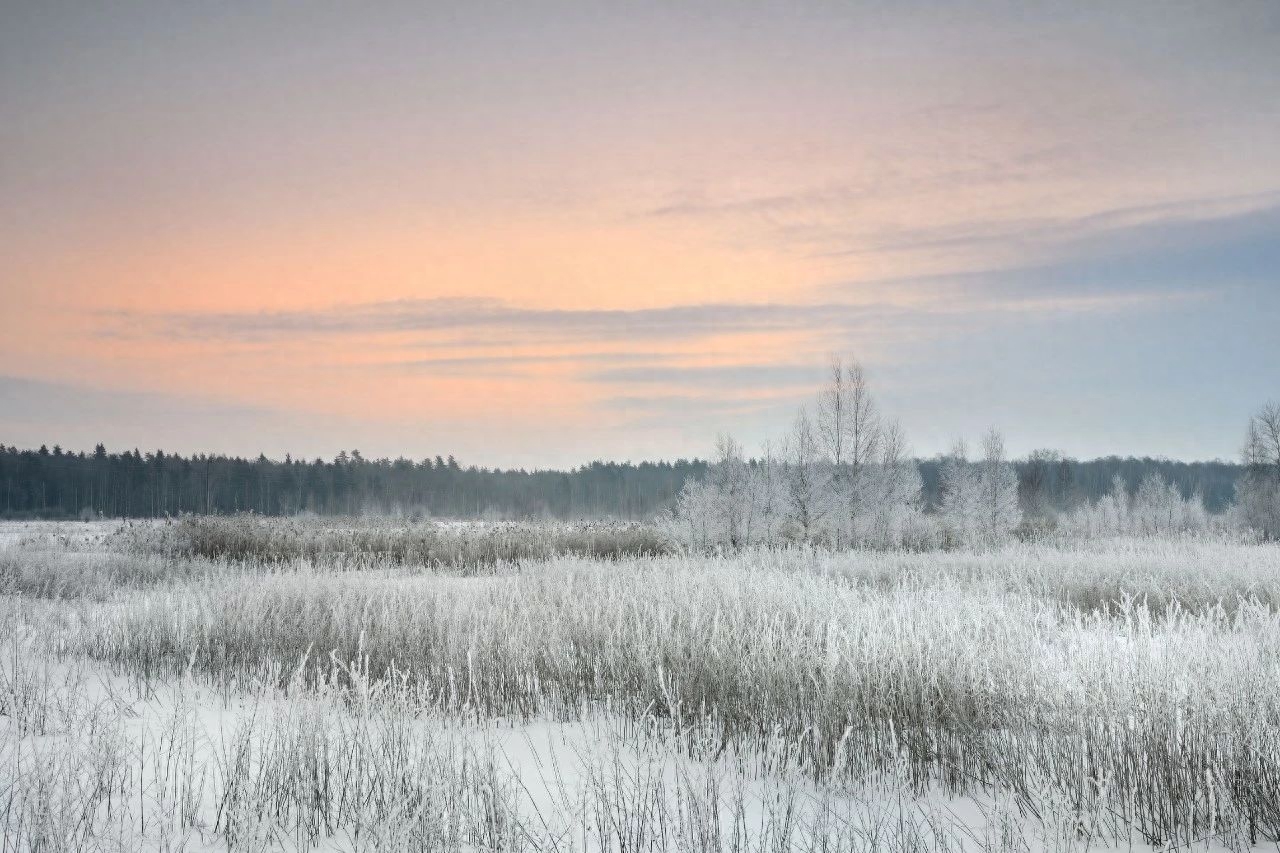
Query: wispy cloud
{"type": "Point", "coordinates": [1110, 226]}
{"type": "Point", "coordinates": [728, 376]}
{"type": "Point", "coordinates": [449, 314]}
{"type": "Point", "coordinates": [707, 412]}
{"type": "Point", "coordinates": [481, 317]}
{"type": "Point", "coordinates": [1177, 254]}
{"type": "Point", "coordinates": [905, 215]}
{"type": "Point", "coordinates": [517, 364]}
{"type": "Point", "coordinates": [520, 360]}
{"type": "Point", "coordinates": [873, 186]}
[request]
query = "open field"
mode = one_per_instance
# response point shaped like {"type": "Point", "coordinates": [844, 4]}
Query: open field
{"type": "Point", "coordinates": [251, 684]}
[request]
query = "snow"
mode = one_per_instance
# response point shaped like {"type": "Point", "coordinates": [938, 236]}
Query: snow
{"type": "Point", "coordinates": [96, 759]}
{"type": "Point", "coordinates": [177, 736]}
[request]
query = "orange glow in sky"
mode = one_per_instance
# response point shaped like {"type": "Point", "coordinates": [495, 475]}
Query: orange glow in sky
{"type": "Point", "coordinates": [539, 236]}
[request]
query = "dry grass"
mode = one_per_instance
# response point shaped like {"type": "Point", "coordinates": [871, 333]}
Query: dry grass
{"type": "Point", "coordinates": [364, 543]}
{"type": "Point", "coordinates": [1123, 690]}
{"type": "Point", "coordinates": [373, 770]}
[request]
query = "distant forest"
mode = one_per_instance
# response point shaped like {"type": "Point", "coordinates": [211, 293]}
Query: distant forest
{"type": "Point", "coordinates": [53, 484]}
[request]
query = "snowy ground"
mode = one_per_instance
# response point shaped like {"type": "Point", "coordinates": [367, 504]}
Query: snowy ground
{"type": "Point", "coordinates": [48, 532]}
{"type": "Point", "coordinates": [597, 783]}
{"type": "Point", "coordinates": [149, 755]}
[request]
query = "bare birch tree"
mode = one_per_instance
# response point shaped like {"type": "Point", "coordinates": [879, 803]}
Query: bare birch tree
{"type": "Point", "coordinates": [850, 430]}
{"type": "Point", "coordinates": [833, 408]}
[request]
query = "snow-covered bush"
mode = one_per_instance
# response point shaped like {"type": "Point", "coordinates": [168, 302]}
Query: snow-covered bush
{"type": "Point", "coordinates": [1156, 509]}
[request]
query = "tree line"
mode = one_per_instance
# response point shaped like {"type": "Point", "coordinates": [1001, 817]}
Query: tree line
{"type": "Point", "coordinates": [54, 483]}
{"type": "Point", "coordinates": [842, 477]}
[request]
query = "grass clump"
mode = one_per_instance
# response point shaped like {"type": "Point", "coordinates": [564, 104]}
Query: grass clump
{"type": "Point", "coordinates": [363, 543]}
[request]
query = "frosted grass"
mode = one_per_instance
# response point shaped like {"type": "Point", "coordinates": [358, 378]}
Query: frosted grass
{"type": "Point", "coordinates": [1113, 692]}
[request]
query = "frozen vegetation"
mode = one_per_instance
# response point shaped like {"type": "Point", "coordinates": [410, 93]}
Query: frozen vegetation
{"type": "Point", "coordinates": [800, 655]}
{"type": "Point", "coordinates": [322, 685]}
{"type": "Point", "coordinates": [843, 477]}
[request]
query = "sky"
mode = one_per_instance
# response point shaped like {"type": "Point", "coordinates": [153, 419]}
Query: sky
{"type": "Point", "coordinates": [544, 233]}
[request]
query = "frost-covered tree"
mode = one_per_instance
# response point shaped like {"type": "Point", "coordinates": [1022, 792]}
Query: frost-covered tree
{"type": "Point", "coordinates": [850, 430]}
{"type": "Point", "coordinates": [719, 509]}
{"type": "Point", "coordinates": [768, 501]}
{"type": "Point", "coordinates": [833, 412]}
{"type": "Point", "coordinates": [864, 435]}
{"type": "Point", "coordinates": [1156, 509]}
{"type": "Point", "coordinates": [959, 496]}
{"type": "Point", "coordinates": [999, 512]}
{"type": "Point", "coordinates": [807, 481]}
{"type": "Point", "coordinates": [691, 520]}
{"type": "Point", "coordinates": [729, 480]}
{"type": "Point", "coordinates": [1110, 517]}
{"type": "Point", "coordinates": [979, 501]}
{"type": "Point", "coordinates": [894, 491]}
{"type": "Point", "coordinates": [1258, 491]}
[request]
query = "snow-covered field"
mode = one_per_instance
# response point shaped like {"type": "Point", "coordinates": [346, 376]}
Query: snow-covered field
{"type": "Point", "coordinates": [81, 533]}
{"type": "Point", "coordinates": [1116, 695]}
